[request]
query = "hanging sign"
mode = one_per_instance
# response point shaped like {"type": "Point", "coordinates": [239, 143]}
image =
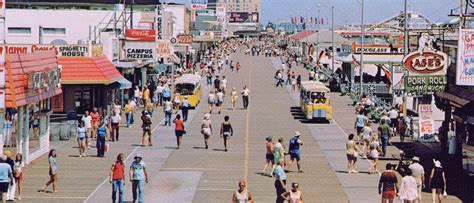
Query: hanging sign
{"type": "Point", "coordinates": [465, 60]}
{"type": "Point", "coordinates": [185, 39]}
{"type": "Point", "coordinates": [140, 50]}
{"type": "Point", "coordinates": [421, 85]}
{"type": "Point", "coordinates": [426, 63]}
{"type": "Point", "coordinates": [141, 35]}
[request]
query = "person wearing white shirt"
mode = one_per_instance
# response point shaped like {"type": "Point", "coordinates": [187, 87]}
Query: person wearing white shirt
{"type": "Point", "coordinates": [393, 115]}
{"type": "Point", "coordinates": [87, 119]}
{"type": "Point", "coordinates": [220, 100]}
{"type": "Point", "coordinates": [245, 97]}
{"type": "Point", "coordinates": [223, 84]}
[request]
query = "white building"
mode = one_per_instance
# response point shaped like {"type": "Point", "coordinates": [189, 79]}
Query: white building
{"type": "Point", "coordinates": [180, 18]}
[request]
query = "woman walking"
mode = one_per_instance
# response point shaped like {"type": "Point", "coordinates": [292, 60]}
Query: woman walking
{"type": "Point", "coordinates": [234, 97]}
{"type": "Point", "coordinates": [81, 139]}
{"type": "Point", "coordinates": [226, 131]}
{"type": "Point", "coordinates": [146, 126]}
{"type": "Point", "coordinates": [53, 171]}
{"type": "Point", "coordinates": [116, 178]}
{"type": "Point", "coordinates": [206, 129]}
{"type": "Point", "coordinates": [437, 181]}
{"type": "Point", "coordinates": [179, 130]}
{"type": "Point", "coordinates": [408, 190]}
{"type": "Point", "coordinates": [278, 154]}
{"type": "Point", "coordinates": [242, 195]}
{"type": "Point", "coordinates": [351, 152]}
{"type": "Point", "coordinates": [374, 156]}
{"type": "Point", "coordinates": [18, 168]}
{"type": "Point", "coordinates": [269, 157]}
{"type": "Point", "coordinates": [211, 100]}
{"type": "Point", "coordinates": [220, 100]}
{"type": "Point", "coordinates": [294, 195]}
{"type": "Point", "coordinates": [101, 136]}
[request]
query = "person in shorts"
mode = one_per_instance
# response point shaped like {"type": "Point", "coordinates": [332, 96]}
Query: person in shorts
{"type": "Point", "coordinates": [360, 123]}
{"type": "Point", "coordinates": [6, 176]}
{"type": "Point", "coordinates": [269, 157]}
{"type": "Point", "coordinates": [388, 184]}
{"type": "Point", "coordinates": [220, 100]}
{"type": "Point", "coordinates": [211, 100]}
{"type": "Point", "coordinates": [294, 149]}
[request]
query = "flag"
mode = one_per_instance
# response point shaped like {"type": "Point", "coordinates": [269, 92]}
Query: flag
{"type": "Point", "coordinates": [388, 75]}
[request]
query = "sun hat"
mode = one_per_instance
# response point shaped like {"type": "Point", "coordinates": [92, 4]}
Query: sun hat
{"type": "Point", "coordinates": [297, 133]}
{"type": "Point", "coordinates": [437, 163]}
{"type": "Point", "coordinates": [138, 155]}
{"type": "Point", "coordinates": [417, 159]}
{"type": "Point", "coordinates": [269, 138]}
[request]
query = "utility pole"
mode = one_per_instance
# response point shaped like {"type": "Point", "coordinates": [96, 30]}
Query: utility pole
{"type": "Point", "coordinates": [131, 14]}
{"type": "Point", "coordinates": [405, 52]}
{"type": "Point", "coordinates": [332, 38]}
{"type": "Point", "coordinates": [362, 51]}
{"type": "Point", "coordinates": [317, 36]}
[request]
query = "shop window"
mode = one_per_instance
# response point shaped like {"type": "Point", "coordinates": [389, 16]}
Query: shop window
{"type": "Point", "coordinates": [38, 123]}
{"type": "Point", "coordinates": [54, 31]}
{"type": "Point", "coordinates": [19, 30]}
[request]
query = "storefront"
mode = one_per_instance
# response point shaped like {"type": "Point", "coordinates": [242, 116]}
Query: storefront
{"type": "Point", "coordinates": [89, 82]}
{"type": "Point", "coordinates": [32, 79]}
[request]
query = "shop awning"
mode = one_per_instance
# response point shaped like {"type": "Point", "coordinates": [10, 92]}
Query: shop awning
{"type": "Point", "coordinates": [88, 70]}
{"type": "Point", "coordinates": [123, 84]}
{"type": "Point", "coordinates": [30, 78]}
{"type": "Point", "coordinates": [458, 96]}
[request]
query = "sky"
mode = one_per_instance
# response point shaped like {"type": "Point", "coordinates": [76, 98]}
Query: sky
{"type": "Point", "coordinates": [349, 11]}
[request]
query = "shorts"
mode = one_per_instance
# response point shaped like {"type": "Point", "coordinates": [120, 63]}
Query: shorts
{"type": "Point", "coordinates": [359, 129]}
{"type": "Point", "coordinates": [35, 126]}
{"type": "Point", "coordinates": [270, 157]}
{"type": "Point", "coordinates": [295, 156]}
{"type": "Point", "coordinates": [88, 131]}
{"type": "Point", "coordinates": [219, 103]}
{"type": "Point", "coordinates": [4, 187]}
{"type": "Point", "coordinates": [393, 122]}
{"type": "Point", "coordinates": [178, 133]}
{"type": "Point", "coordinates": [351, 157]}
{"type": "Point", "coordinates": [390, 194]}
{"type": "Point", "coordinates": [81, 139]}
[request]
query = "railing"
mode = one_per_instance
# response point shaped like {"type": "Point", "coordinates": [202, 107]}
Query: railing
{"type": "Point", "coordinates": [62, 130]}
{"type": "Point", "coordinates": [371, 88]}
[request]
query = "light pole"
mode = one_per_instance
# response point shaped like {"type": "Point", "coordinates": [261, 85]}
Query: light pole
{"type": "Point", "coordinates": [317, 36]}
{"type": "Point", "coordinates": [362, 51]}
{"type": "Point", "coordinates": [332, 38]}
{"type": "Point", "coordinates": [405, 52]}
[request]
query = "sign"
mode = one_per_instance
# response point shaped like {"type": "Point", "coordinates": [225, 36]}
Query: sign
{"type": "Point", "coordinates": [426, 63]}
{"type": "Point", "coordinates": [141, 35]}
{"type": "Point", "coordinates": [61, 50]}
{"type": "Point", "coordinates": [380, 49]}
{"type": "Point", "coordinates": [173, 40]}
{"type": "Point", "coordinates": [221, 13]}
{"type": "Point", "coordinates": [426, 130]}
{"type": "Point", "coordinates": [159, 22]}
{"type": "Point", "coordinates": [140, 50]}
{"type": "Point", "coordinates": [243, 17]}
{"type": "Point", "coordinates": [198, 6]}
{"type": "Point", "coordinates": [425, 111]}
{"type": "Point", "coordinates": [163, 49]}
{"type": "Point", "coordinates": [57, 103]}
{"type": "Point", "coordinates": [465, 60]}
{"type": "Point", "coordinates": [420, 85]}
{"type": "Point", "coordinates": [2, 8]}
{"type": "Point", "coordinates": [185, 39]}
{"type": "Point", "coordinates": [44, 80]}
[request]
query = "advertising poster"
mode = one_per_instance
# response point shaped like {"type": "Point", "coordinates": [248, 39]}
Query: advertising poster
{"type": "Point", "coordinates": [426, 130]}
{"type": "Point", "coordinates": [243, 17]}
{"type": "Point", "coordinates": [140, 50]}
{"type": "Point", "coordinates": [465, 60]}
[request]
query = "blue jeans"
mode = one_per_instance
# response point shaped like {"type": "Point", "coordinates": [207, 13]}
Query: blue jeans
{"type": "Point", "coordinates": [168, 117]}
{"type": "Point", "coordinates": [117, 185]}
{"type": "Point", "coordinates": [129, 119]}
{"type": "Point", "coordinates": [384, 141]}
{"type": "Point", "coordinates": [209, 80]}
{"type": "Point", "coordinates": [138, 190]}
{"type": "Point", "coordinates": [100, 145]}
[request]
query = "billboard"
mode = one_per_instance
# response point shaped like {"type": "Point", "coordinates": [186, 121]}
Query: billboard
{"type": "Point", "coordinates": [66, 50]}
{"type": "Point", "coordinates": [465, 60]}
{"type": "Point", "coordinates": [198, 4]}
{"type": "Point", "coordinates": [140, 35]}
{"type": "Point", "coordinates": [243, 17]}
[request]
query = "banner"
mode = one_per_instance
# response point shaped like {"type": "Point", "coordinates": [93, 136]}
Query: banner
{"type": "Point", "coordinates": [61, 50]}
{"type": "Point", "coordinates": [140, 50]}
{"type": "Point", "coordinates": [140, 35]}
{"type": "Point", "coordinates": [243, 17]}
{"type": "Point", "coordinates": [465, 60]}
{"type": "Point", "coordinates": [426, 130]}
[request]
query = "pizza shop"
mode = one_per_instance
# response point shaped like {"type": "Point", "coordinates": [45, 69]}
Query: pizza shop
{"type": "Point", "coordinates": [31, 80]}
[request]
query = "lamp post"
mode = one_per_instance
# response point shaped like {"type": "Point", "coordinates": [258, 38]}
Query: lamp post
{"type": "Point", "coordinates": [317, 36]}
{"type": "Point", "coordinates": [332, 38]}
{"type": "Point", "coordinates": [405, 52]}
{"type": "Point", "coordinates": [361, 50]}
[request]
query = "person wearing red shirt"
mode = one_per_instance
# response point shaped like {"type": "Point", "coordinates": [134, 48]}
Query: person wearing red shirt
{"type": "Point", "coordinates": [179, 129]}
{"type": "Point", "coordinates": [116, 177]}
{"type": "Point", "coordinates": [95, 122]}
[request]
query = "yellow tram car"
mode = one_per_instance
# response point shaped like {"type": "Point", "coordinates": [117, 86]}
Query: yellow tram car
{"type": "Point", "coordinates": [189, 85]}
{"type": "Point", "coordinates": [314, 101]}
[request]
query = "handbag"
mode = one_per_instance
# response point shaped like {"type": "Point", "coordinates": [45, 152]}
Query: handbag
{"type": "Point", "coordinates": [184, 132]}
{"type": "Point", "coordinates": [106, 147]}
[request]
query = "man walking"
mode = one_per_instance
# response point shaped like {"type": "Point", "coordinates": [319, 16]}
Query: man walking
{"type": "Point", "coordinates": [419, 175]}
{"type": "Point", "coordinates": [138, 177]}
{"type": "Point", "coordinates": [185, 108]}
{"type": "Point", "coordinates": [384, 133]}
{"type": "Point", "coordinates": [245, 97]}
{"type": "Point", "coordinates": [6, 177]}
{"type": "Point", "coordinates": [294, 150]}
{"type": "Point", "coordinates": [388, 187]}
